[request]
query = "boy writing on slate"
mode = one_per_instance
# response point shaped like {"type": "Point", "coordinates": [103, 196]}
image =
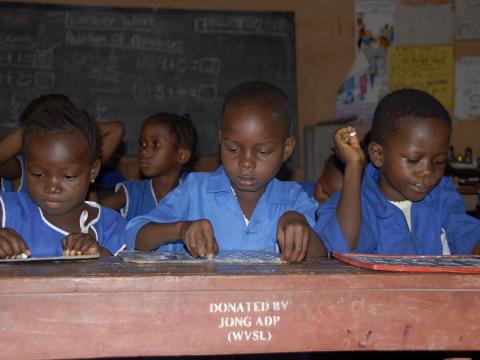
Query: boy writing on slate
{"type": "Point", "coordinates": [241, 206]}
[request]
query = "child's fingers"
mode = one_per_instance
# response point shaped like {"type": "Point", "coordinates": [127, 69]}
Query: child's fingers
{"type": "Point", "coordinates": [11, 244]}
{"type": "Point", "coordinates": [301, 246]}
{"type": "Point", "coordinates": [190, 244]}
{"type": "Point", "coordinates": [211, 247]}
{"type": "Point", "coordinates": [281, 239]}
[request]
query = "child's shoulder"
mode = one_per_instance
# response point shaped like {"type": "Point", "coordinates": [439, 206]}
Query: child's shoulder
{"type": "Point", "coordinates": [288, 190]}
{"type": "Point", "coordinates": [105, 215]}
{"type": "Point", "coordinates": [14, 198]}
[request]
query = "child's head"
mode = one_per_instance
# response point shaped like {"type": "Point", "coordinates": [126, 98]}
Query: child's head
{"type": "Point", "coordinates": [254, 135]}
{"type": "Point", "coordinates": [409, 144]}
{"type": "Point", "coordinates": [166, 144]}
{"type": "Point", "coordinates": [62, 153]}
{"type": "Point", "coordinates": [44, 102]}
{"type": "Point", "coordinates": [331, 179]}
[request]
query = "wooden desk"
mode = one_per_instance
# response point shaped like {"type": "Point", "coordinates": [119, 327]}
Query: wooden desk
{"type": "Point", "coordinates": [109, 308]}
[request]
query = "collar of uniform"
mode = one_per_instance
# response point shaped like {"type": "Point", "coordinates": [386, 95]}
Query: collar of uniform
{"type": "Point", "coordinates": [276, 193]}
{"type": "Point", "coordinates": [381, 206]}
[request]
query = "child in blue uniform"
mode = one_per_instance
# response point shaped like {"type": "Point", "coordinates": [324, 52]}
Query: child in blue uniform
{"type": "Point", "coordinates": [12, 164]}
{"type": "Point", "coordinates": [62, 153]}
{"type": "Point", "coordinates": [403, 205]}
{"type": "Point", "coordinates": [241, 206]}
{"type": "Point", "coordinates": [166, 144]}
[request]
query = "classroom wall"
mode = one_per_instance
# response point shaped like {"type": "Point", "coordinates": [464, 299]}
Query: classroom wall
{"type": "Point", "coordinates": [325, 50]}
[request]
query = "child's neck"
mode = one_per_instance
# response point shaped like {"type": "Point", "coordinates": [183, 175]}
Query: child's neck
{"type": "Point", "coordinates": [163, 184]}
{"type": "Point", "coordinates": [248, 201]}
{"type": "Point", "coordinates": [70, 222]}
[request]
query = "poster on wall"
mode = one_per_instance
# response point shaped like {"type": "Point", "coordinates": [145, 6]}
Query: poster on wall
{"type": "Point", "coordinates": [424, 24]}
{"type": "Point", "coordinates": [467, 88]}
{"type": "Point", "coordinates": [367, 81]}
{"type": "Point", "coordinates": [467, 19]}
{"type": "Point", "coordinates": [428, 68]}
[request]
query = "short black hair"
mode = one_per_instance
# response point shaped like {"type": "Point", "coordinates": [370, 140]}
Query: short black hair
{"type": "Point", "coordinates": [45, 101]}
{"type": "Point", "coordinates": [53, 119]}
{"type": "Point", "coordinates": [182, 128]}
{"type": "Point", "coordinates": [402, 107]}
{"type": "Point", "coordinates": [262, 94]}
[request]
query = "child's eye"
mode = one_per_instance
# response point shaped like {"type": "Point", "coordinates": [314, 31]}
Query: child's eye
{"type": "Point", "coordinates": [439, 162]}
{"type": "Point", "coordinates": [142, 144]}
{"type": "Point", "coordinates": [232, 148]}
{"type": "Point", "coordinates": [70, 177]}
{"type": "Point", "coordinates": [157, 144]}
{"type": "Point", "coordinates": [36, 174]}
{"type": "Point", "coordinates": [412, 161]}
{"type": "Point", "coordinates": [263, 152]}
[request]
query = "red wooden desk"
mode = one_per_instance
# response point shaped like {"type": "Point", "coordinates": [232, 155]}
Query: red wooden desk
{"type": "Point", "coordinates": [109, 308]}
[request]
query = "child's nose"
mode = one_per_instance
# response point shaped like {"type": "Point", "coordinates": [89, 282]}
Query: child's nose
{"type": "Point", "coordinates": [52, 185]}
{"type": "Point", "coordinates": [427, 169]}
{"type": "Point", "coordinates": [248, 160]}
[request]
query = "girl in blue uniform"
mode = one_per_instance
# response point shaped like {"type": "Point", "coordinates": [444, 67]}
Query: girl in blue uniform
{"type": "Point", "coordinates": [166, 145]}
{"type": "Point", "coordinates": [12, 162]}
{"type": "Point", "coordinates": [62, 157]}
{"type": "Point", "coordinates": [403, 205]}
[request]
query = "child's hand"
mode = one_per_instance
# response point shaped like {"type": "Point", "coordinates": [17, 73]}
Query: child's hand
{"type": "Point", "coordinates": [12, 245]}
{"type": "Point", "coordinates": [293, 236]}
{"type": "Point", "coordinates": [80, 244]}
{"type": "Point", "coordinates": [347, 146]}
{"type": "Point", "coordinates": [199, 239]}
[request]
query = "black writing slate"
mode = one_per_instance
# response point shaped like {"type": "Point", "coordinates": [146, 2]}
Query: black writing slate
{"type": "Point", "coordinates": [127, 63]}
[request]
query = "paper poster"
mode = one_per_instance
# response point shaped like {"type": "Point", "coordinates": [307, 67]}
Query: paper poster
{"type": "Point", "coordinates": [367, 80]}
{"type": "Point", "coordinates": [467, 88]}
{"type": "Point", "coordinates": [428, 68]}
{"type": "Point", "coordinates": [374, 24]}
{"type": "Point", "coordinates": [424, 25]}
{"type": "Point", "coordinates": [467, 19]}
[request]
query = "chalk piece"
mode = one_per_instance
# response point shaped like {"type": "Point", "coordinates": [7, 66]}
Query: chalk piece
{"type": "Point", "coordinates": [23, 256]}
{"type": "Point", "coordinates": [353, 133]}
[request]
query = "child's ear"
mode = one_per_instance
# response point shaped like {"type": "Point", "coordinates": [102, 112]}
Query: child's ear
{"type": "Point", "coordinates": [183, 155]}
{"type": "Point", "coordinates": [288, 147]}
{"type": "Point", "coordinates": [375, 152]}
{"type": "Point", "coordinates": [94, 170]}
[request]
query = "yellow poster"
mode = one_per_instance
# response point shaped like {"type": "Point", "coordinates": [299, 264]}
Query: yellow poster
{"type": "Point", "coordinates": [428, 68]}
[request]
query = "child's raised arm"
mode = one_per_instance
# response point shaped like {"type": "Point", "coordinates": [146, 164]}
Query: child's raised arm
{"type": "Point", "coordinates": [349, 213]}
{"type": "Point", "coordinates": [112, 134]}
{"type": "Point", "coordinates": [10, 146]}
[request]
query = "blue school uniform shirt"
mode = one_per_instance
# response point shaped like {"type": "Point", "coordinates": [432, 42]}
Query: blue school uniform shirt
{"type": "Point", "coordinates": [210, 196]}
{"type": "Point", "coordinates": [140, 200]}
{"type": "Point", "coordinates": [140, 197]}
{"type": "Point", "coordinates": [6, 185]}
{"type": "Point", "coordinates": [384, 229]}
{"type": "Point", "coordinates": [43, 239]}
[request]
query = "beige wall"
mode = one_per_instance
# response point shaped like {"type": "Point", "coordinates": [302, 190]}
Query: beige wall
{"type": "Point", "coordinates": [325, 48]}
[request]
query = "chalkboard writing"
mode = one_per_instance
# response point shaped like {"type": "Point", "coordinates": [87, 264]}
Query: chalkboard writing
{"type": "Point", "coordinates": [125, 63]}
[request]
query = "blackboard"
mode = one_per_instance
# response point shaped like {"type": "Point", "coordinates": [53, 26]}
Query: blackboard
{"type": "Point", "coordinates": [127, 63]}
{"type": "Point", "coordinates": [468, 264]}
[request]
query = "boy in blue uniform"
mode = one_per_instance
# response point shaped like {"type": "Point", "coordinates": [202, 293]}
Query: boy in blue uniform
{"type": "Point", "coordinates": [403, 205]}
{"type": "Point", "coordinates": [62, 153]}
{"type": "Point", "coordinates": [241, 205]}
